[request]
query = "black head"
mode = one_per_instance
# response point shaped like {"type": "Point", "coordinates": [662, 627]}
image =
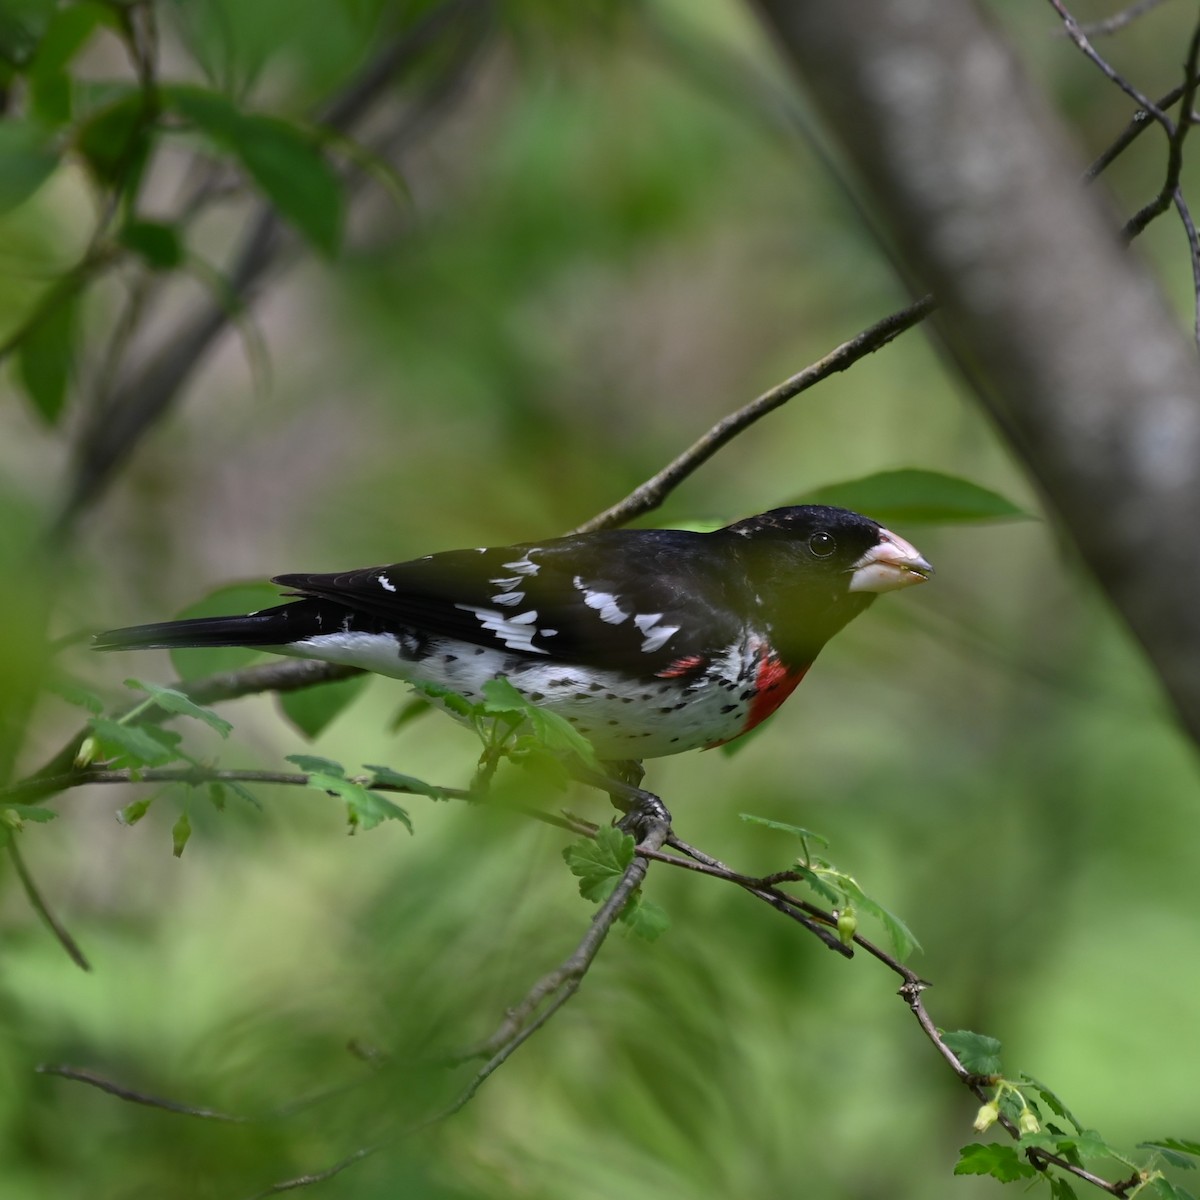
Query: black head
{"type": "Point", "coordinates": [814, 568]}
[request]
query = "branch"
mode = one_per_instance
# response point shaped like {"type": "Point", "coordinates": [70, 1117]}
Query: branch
{"type": "Point", "coordinates": [649, 495]}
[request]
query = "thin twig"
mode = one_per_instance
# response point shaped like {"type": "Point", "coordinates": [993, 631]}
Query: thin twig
{"type": "Point", "coordinates": [649, 495]}
{"type": "Point", "coordinates": [80, 1075]}
{"type": "Point", "coordinates": [38, 904]}
{"type": "Point", "coordinates": [1170, 187]}
{"type": "Point", "coordinates": [1075, 32]}
{"type": "Point", "coordinates": [1118, 21]}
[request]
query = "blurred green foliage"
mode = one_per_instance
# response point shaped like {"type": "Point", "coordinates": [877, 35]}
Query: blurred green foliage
{"type": "Point", "coordinates": [609, 240]}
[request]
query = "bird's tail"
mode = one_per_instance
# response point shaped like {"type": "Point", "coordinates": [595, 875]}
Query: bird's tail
{"type": "Point", "coordinates": [271, 627]}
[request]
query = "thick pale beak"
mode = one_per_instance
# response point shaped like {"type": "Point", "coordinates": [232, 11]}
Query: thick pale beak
{"type": "Point", "coordinates": [890, 564]}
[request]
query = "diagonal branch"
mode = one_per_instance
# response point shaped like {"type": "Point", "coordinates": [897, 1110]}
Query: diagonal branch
{"type": "Point", "coordinates": [649, 495]}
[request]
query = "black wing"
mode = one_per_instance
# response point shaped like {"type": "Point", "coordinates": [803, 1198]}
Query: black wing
{"type": "Point", "coordinates": [644, 601]}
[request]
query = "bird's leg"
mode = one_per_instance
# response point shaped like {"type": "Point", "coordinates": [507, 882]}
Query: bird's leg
{"type": "Point", "coordinates": [642, 809]}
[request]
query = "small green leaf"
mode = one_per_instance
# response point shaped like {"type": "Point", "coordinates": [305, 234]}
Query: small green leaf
{"type": "Point", "coordinates": [235, 599]}
{"type": "Point", "coordinates": [180, 832]}
{"type": "Point", "coordinates": [132, 813]}
{"type": "Point", "coordinates": [281, 157]}
{"type": "Point", "coordinates": [364, 809]}
{"type": "Point", "coordinates": [806, 835]}
{"type": "Point", "coordinates": [1052, 1101]}
{"type": "Point", "coordinates": [313, 764]}
{"type": "Point", "coordinates": [216, 795]}
{"type": "Point", "coordinates": [22, 24]}
{"type": "Point", "coordinates": [74, 693]}
{"type": "Point", "coordinates": [1176, 1147]}
{"type": "Point", "coordinates": [598, 863]}
{"type": "Point", "coordinates": [913, 496]}
{"type": "Point", "coordinates": [452, 702]}
{"type": "Point", "coordinates": [174, 701]}
{"type": "Point", "coordinates": [995, 1159]}
{"type": "Point", "coordinates": [644, 918]}
{"type": "Point", "coordinates": [27, 160]}
{"type": "Point", "coordinates": [114, 140]}
{"type": "Point", "coordinates": [1170, 1191]}
{"type": "Point", "coordinates": [556, 733]}
{"type": "Point", "coordinates": [903, 940]}
{"type": "Point", "coordinates": [1060, 1189]}
{"type": "Point", "coordinates": [141, 745]}
{"type": "Point", "coordinates": [311, 709]}
{"type": "Point", "coordinates": [977, 1052]}
{"type": "Point", "coordinates": [242, 792]}
{"type": "Point", "coordinates": [158, 244]}
{"type": "Point", "coordinates": [28, 812]}
{"type": "Point", "coordinates": [45, 354]}
{"type": "Point", "coordinates": [418, 787]}
{"type": "Point", "coordinates": [831, 895]}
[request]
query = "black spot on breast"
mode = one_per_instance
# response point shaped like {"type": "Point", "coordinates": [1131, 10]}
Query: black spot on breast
{"type": "Point", "coordinates": [561, 683]}
{"type": "Point", "coordinates": [624, 699]}
{"type": "Point", "coordinates": [450, 658]}
{"type": "Point", "coordinates": [681, 704]}
{"type": "Point", "coordinates": [480, 650]}
{"type": "Point", "coordinates": [748, 694]}
{"type": "Point", "coordinates": [728, 708]}
{"type": "Point", "coordinates": [595, 687]}
{"type": "Point", "coordinates": [534, 697]}
{"type": "Point", "coordinates": [669, 708]}
{"type": "Point", "coordinates": [581, 696]}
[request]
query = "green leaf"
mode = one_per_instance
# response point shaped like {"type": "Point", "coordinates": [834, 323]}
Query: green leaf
{"type": "Point", "coordinates": [44, 356]}
{"type": "Point", "coordinates": [913, 496]}
{"type": "Point", "coordinates": [22, 25]}
{"type": "Point", "coordinates": [995, 1159]}
{"type": "Point", "coordinates": [216, 795]}
{"type": "Point", "coordinates": [556, 733]}
{"type": "Point", "coordinates": [141, 745]}
{"type": "Point", "coordinates": [364, 809]}
{"type": "Point", "coordinates": [180, 832]}
{"type": "Point", "coordinates": [831, 895]}
{"type": "Point", "coordinates": [385, 775]}
{"type": "Point", "coordinates": [903, 940]}
{"type": "Point", "coordinates": [158, 244]}
{"type": "Point", "coordinates": [1176, 1147]}
{"type": "Point", "coordinates": [233, 599]}
{"type": "Point", "coordinates": [311, 709]}
{"type": "Point", "coordinates": [27, 159]}
{"type": "Point", "coordinates": [644, 918]}
{"type": "Point", "coordinates": [977, 1052]}
{"type": "Point", "coordinates": [1060, 1189]}
{"type": "Point", "coordinates": [452, 702]}
{"type": "Point", "coordinates": [598, 863]}
{"type": "Point", "coordinates": [74, 693]}
{"type": "Point", "coordinates": [171, 700]}
{"type": "Point", "coordinates": [28, 812]}
{"type": "Point", "coordinates": [1052, 1101]}
{"type": "Point", "coordinates": [131, 814]}
{"type": "Point", "coordinates": [67, 33]}
{"type": "Point", "coordinates": [281, 157]}
{"type": "Point", "coordinates": [313, 763]}
{"type": "Point", "coordinates": [242, 792]}
{"type": "Point", "coordinates": [1170, 1191]}
{"type": "Point", "coordinates": [114, 140]}
{"type": "Point", "coordinates": [806, 835]}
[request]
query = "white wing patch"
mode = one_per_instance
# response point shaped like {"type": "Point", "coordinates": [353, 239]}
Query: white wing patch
{"type": "Point", "coordinates": [656, 635]}
{"type": "Point", "coordinates": [385, 583]}
{"type": "Point", "coordinates": [522, 566]}
{"type": "Point", "coordinates": [605, 603]}
{"type": "Point", "coordinates": [517, 633]}
{"type": "Point", "coordinates": [508, 598]}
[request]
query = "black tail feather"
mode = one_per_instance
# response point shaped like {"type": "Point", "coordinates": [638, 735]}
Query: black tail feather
{"type": "Point", "coordinates": [272, 627]}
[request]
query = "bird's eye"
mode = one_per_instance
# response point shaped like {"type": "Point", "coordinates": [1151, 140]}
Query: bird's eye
{"type": "Point", "coordinates": [822, 544]}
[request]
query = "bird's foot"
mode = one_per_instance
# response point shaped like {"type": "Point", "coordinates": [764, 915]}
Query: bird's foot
{"type": "Point", "coordinates": [642, 810]}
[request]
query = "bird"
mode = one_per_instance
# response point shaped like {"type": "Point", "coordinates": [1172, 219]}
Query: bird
{"type": "Point", "coordinates": [650, 642]}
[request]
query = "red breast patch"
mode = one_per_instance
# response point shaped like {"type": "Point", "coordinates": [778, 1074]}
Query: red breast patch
{"type": "Point", "coordinates": [773, 684]}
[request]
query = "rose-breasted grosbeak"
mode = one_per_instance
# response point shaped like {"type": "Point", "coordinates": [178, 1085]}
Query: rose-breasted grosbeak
{"type": "Point", "coordinates": [649, 641]}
